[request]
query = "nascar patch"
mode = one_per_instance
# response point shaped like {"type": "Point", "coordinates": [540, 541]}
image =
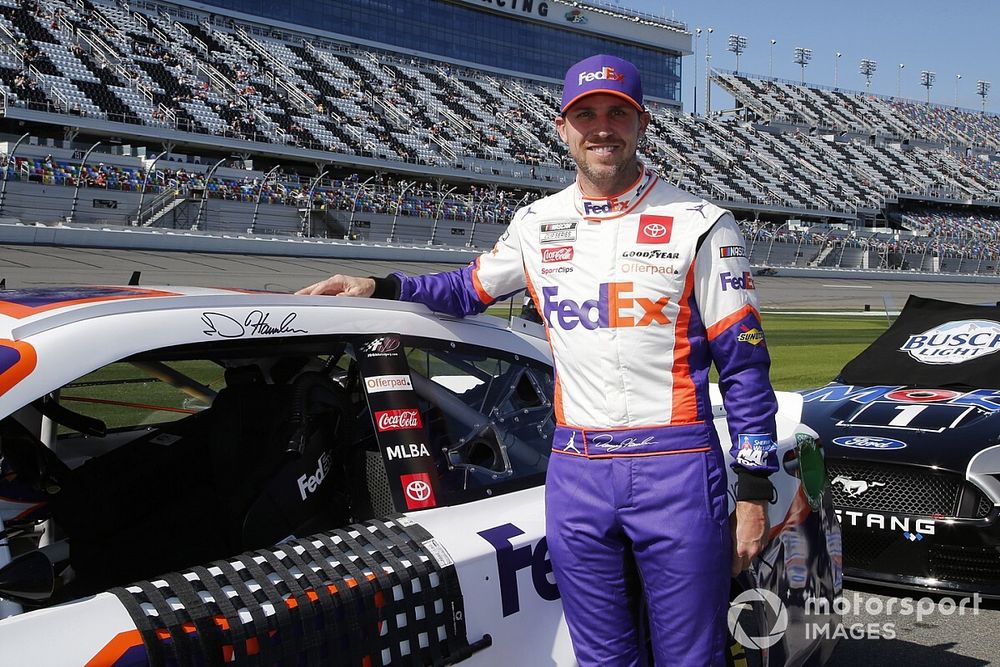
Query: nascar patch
{"type": "Point", "coordinates": [727, 251]}
{"type": "Point", "coordinates": [557, 232]}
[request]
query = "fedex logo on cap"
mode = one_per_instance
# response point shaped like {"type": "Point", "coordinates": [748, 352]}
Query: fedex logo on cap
{"type": "Point", "coordinates": [614, 308]}
{"type": "Point", "coordinates": [606, 73]}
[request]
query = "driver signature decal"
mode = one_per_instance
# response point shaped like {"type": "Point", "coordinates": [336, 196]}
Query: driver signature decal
{"type": "Point", "coordinates": [255, 324]}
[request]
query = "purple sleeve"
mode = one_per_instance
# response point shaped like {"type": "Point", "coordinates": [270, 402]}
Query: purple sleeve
{"type": "Point", "coordinates": [451, 292]}
{"type": "Point", "coordinates": [741, 357]}
{"type": "Point", "coordinates": [726, 293]}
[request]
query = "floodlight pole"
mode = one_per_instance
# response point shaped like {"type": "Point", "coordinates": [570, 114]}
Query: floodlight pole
{"type": "Point", "coordinates": [10, 158]}
{"type": "Point", "coordinates": [145, 183]}
{"type": "Point", "coordinates": [79, 177]}
{"type": "Point", "coordinates": [204, 193]}
{"type": "Point", "coordinates": [260, 192]}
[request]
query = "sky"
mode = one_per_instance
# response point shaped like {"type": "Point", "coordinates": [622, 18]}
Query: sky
{"type": "Point", "coordinates": [948, 38]}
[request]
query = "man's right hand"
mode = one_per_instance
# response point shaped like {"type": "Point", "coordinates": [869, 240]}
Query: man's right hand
{"type": "Point", "coordinates": [338, 284]}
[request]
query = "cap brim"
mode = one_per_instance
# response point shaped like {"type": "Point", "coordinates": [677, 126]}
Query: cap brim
{"type": "Point", "coordinates": [616, 93]}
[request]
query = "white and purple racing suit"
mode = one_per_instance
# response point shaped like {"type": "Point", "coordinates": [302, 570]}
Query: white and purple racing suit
{"type": "Point", "coordinates": [640, 293]}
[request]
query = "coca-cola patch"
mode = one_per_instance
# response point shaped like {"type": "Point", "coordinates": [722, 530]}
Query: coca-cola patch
{"type": "Point", "coordinates": [398, 420]}
{"type": "Point", "coordinates": [560, 254]}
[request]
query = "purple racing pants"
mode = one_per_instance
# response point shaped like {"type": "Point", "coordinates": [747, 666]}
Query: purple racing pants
{"type": "Point", "coordinates": [672, 510]}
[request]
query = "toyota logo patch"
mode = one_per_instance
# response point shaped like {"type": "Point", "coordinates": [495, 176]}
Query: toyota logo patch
{"type": "Point", "coordinates": [654, 229]}
{"type": "Point", "coordinates": [417, 491]}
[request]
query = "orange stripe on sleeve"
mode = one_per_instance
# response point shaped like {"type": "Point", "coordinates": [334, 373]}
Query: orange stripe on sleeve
{"type": "Point", "coordinates": [481, 292]}
{"type": "Point", "coordinates": [731, 319]}
{"type": "Point", "coordinates": [683, 401]}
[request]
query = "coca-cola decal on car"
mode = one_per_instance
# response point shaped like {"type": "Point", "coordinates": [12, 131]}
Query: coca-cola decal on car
{"type": "Point", "coordinates": [398, 420]}
{"type": "Point", "coordinates": [560, 254]}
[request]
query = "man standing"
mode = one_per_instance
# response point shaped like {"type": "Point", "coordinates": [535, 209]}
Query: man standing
{"type": "Point", "coordinates": [641, 287]}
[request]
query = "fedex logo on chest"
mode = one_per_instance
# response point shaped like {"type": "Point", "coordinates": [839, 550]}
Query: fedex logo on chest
{"type": "Point", "coordinates": [615, 307]}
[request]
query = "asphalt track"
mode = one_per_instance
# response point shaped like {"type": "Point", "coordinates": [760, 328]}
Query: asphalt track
{"type": "Point", "coordinates": [934, 640]}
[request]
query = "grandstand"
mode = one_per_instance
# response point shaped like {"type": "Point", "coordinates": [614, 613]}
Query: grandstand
{"type": "Point", "coordinates": [224, 118]}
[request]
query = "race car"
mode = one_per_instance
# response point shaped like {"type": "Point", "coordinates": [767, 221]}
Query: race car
{"type": "Point", "coordinates": [911, 428]}
{"type": "Point", "coordinates": [208, 476]}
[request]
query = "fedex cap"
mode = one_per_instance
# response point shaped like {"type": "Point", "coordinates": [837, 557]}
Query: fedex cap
{"type": "Point", "coordinates": [602, 74]}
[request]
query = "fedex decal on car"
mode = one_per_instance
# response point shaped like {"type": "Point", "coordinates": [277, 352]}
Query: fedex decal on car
{"type": "Point", "coordinates": [614, 308]}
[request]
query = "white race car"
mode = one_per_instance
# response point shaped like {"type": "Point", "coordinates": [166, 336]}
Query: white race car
{"type": "Point", "coordinates": [208, 476]}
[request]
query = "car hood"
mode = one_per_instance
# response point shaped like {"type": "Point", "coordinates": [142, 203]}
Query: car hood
{"type": "Point", "coordinates": [904, 425]}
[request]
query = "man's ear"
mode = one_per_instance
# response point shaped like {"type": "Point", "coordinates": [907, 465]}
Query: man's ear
{"type": "Point", "coordinates": [561, 127]}
{"type": "Point", "coordinates": [644, 119]}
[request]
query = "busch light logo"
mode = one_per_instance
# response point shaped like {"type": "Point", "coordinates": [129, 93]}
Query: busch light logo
{"type": "Point", "coordinates": [560, 254]}
{"type": "Point", "coordinates": [868, 442]}
{"type": "Point", "coordinates": [614, 308]}
{"type": "Point", "coordinates": [954, 342]}
{"type": "Point", "coordinates": [398, 420]}
{"type": "Point", "coordinates": [603, 74]}
{"type": "Point", "coordinates": [729, 281]}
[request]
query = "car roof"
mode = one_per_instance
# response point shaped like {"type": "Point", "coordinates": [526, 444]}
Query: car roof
{"type": "Point", "coordinates": [51, 336]}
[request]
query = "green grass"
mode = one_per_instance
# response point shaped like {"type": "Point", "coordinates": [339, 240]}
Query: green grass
{"type": "Point", "coordinates": [810, 350]}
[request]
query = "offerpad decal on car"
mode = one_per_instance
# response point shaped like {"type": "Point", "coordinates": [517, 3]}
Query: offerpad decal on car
{"type": "Point", "coordinates": [399, 427]}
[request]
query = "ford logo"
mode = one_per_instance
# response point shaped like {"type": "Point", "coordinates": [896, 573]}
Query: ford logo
{"type": "Point", "coordinates": [868, 442]}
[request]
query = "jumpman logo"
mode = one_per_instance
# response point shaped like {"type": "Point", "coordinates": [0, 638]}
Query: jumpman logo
{"type": "Point", "coordinates": [569, 445]}
{"type": "Point", "coordinates": [698, 208]}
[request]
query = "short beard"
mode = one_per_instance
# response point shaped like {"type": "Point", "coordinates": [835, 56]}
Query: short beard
{"type": "Point", "coordinates": [618, 175]}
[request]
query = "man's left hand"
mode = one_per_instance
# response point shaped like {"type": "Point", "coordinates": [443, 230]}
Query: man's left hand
{"type": "Point", "coordinates": [750, 528]}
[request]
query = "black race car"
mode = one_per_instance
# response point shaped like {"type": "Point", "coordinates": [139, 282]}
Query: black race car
{"type": "Point", "coordinates": [912, 434]}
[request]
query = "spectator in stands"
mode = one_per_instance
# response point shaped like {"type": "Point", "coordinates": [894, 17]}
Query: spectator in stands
{"type": "Point", "coordinates": [616, 485]}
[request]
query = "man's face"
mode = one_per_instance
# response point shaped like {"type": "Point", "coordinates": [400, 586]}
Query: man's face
{"type": "Point", "coordinates": [602, 132]}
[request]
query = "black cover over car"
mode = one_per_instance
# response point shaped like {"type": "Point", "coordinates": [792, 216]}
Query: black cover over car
{"type": "Point", "coordinates": [912, 434]}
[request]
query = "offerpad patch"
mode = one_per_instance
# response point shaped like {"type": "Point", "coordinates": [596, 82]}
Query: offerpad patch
{"type": "Point", "coordinates": [380, 383]}
{"type": "Point", "coordinates": [418, 491]}
{"type": "Point", "coordinates": [654, 229]}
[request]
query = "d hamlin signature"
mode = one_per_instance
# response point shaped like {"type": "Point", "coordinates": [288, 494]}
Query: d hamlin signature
{"type": "Point", "coordinates": [607, 442]}
{"type": "Point", "coordinates": [255, 324]}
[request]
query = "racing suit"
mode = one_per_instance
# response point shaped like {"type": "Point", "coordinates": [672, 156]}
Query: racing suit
{"type": "Point", "coordinates": [639, 294]}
